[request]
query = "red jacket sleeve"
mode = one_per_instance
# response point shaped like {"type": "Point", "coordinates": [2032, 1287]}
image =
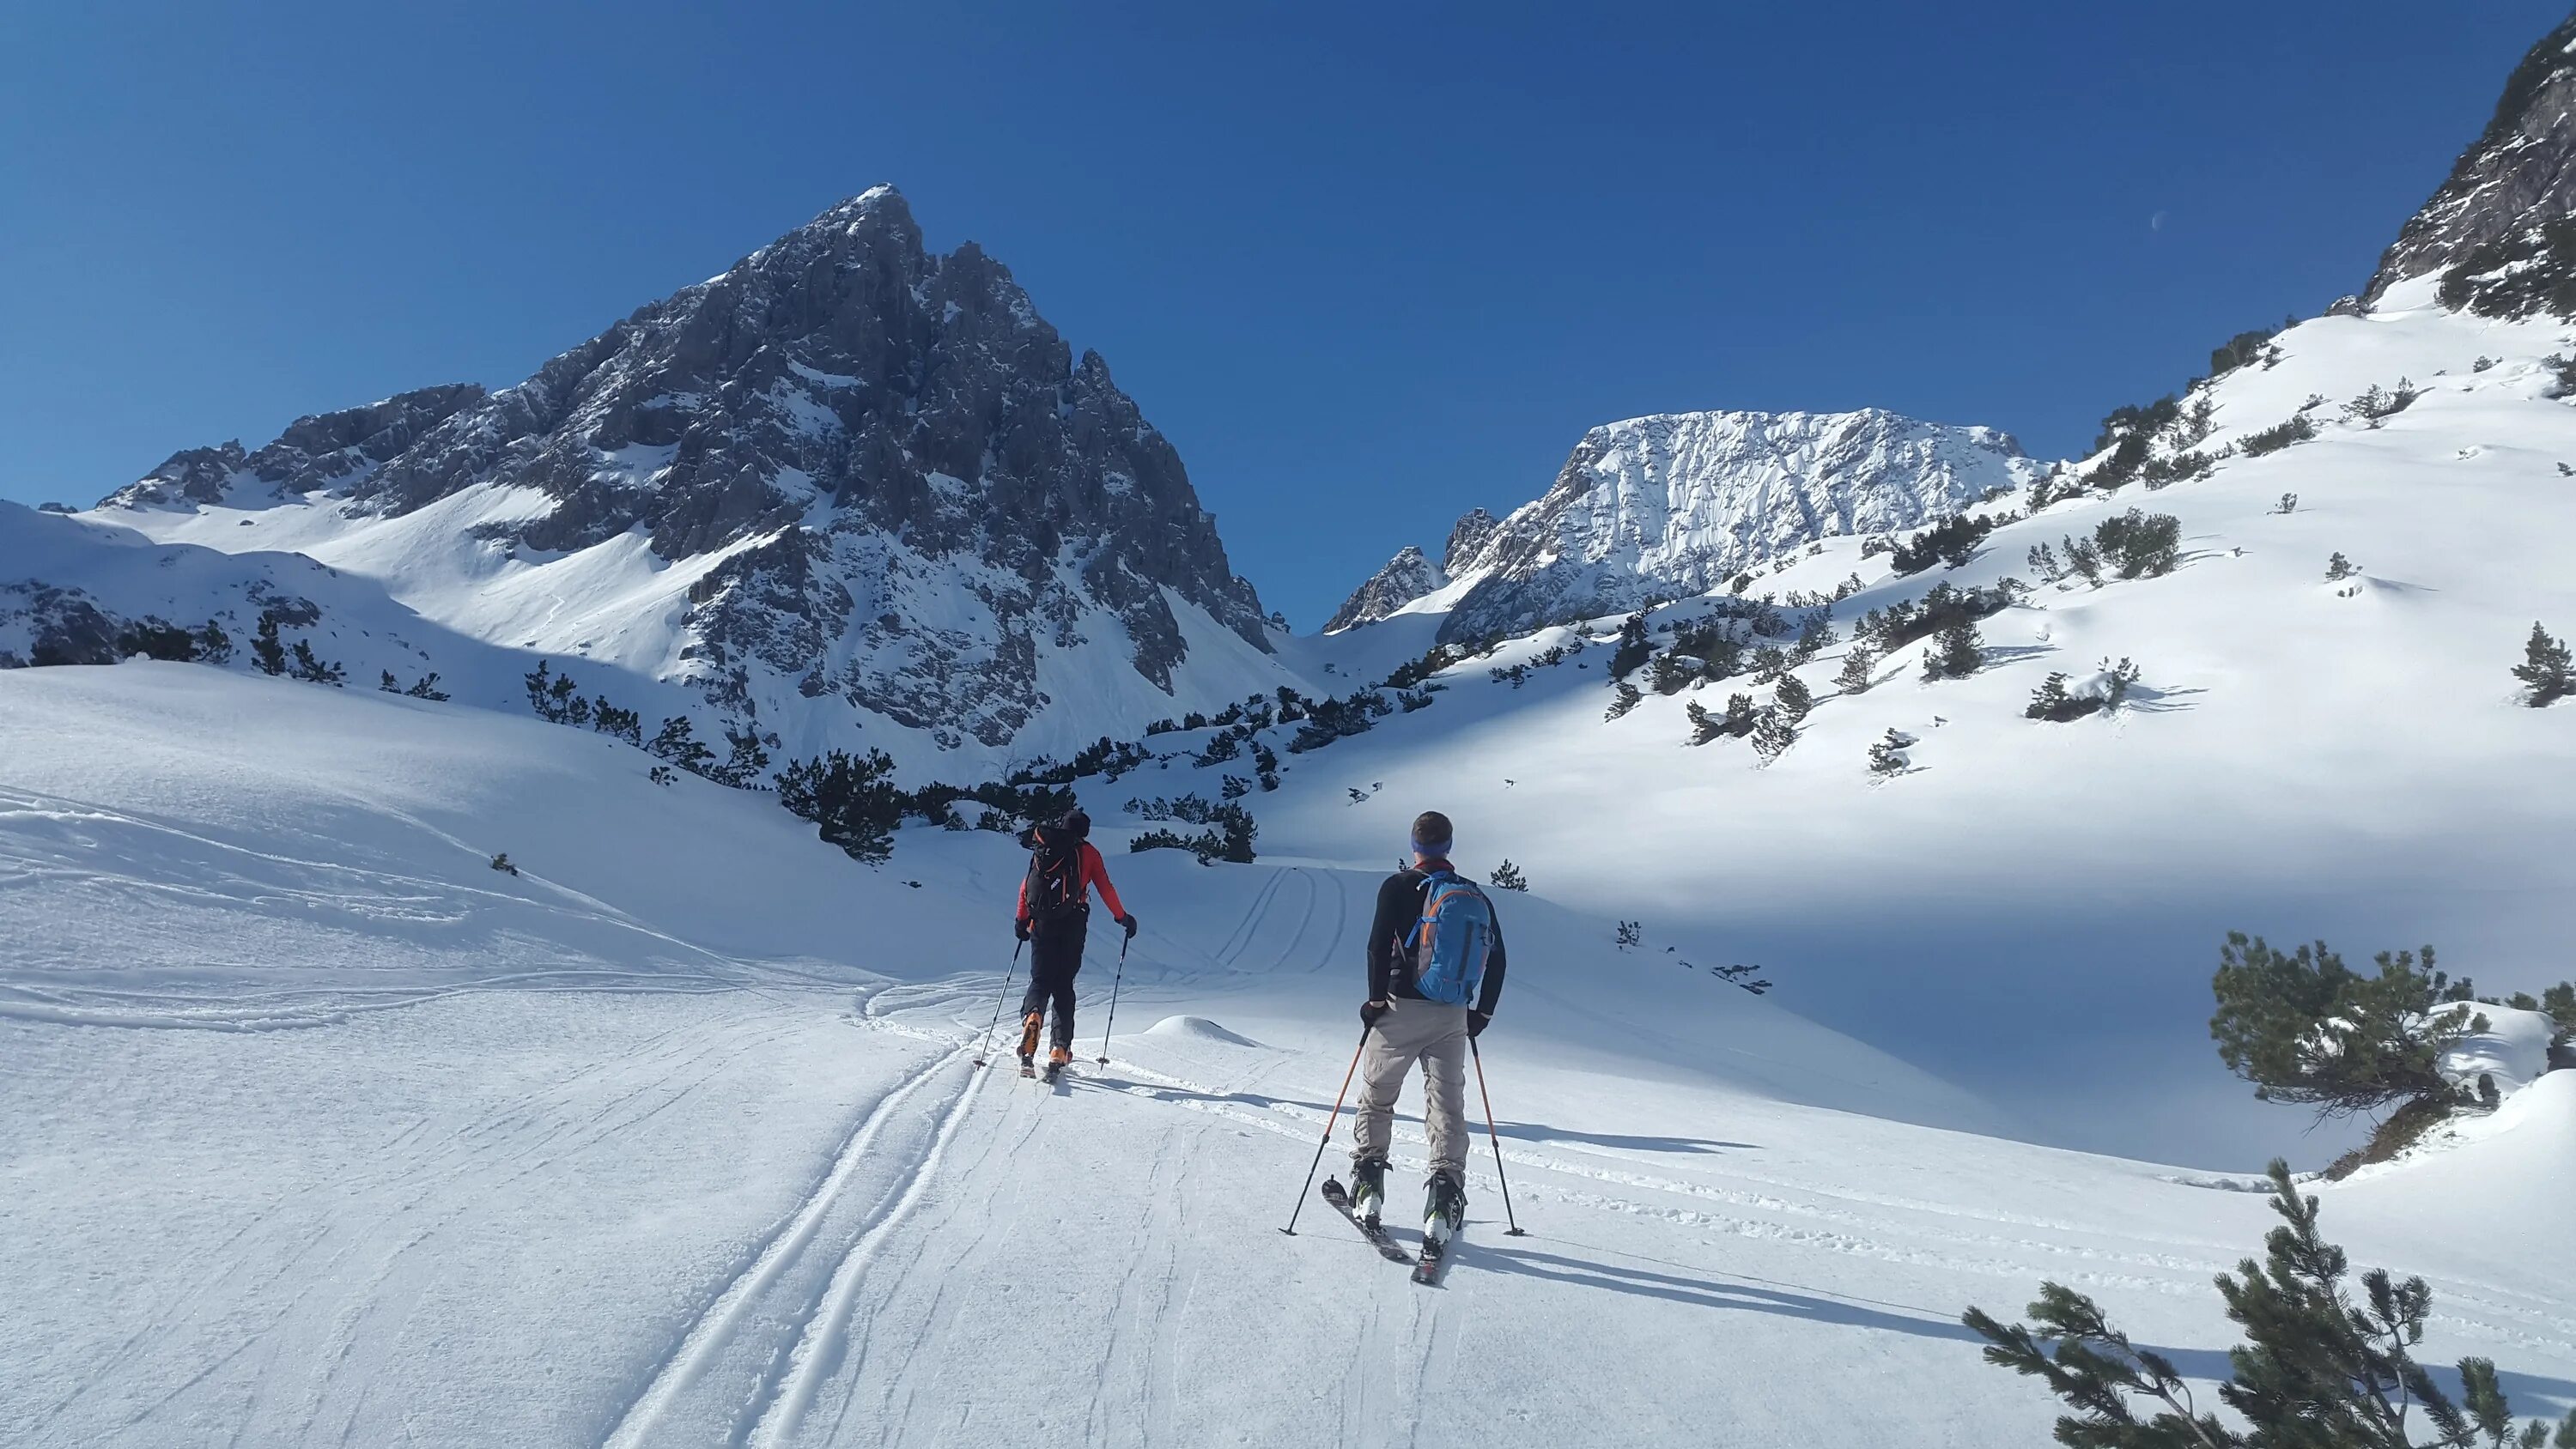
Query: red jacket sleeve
{"type": "Point", "coordinates": [1024, 898]}
{"type": "Point", "coordinates": [1096, 873]}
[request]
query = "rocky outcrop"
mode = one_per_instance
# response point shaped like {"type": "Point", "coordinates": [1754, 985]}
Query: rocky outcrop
{"type": "Point", "coordinates": [326, 450]}
{"type": "Point", "coordinates": [1470, 533]}
{"type": "Point", "coordinates": [913, 486]}
{"type": "Point", "coordinates": [2517, 176]}
{"type": "Point", "coordinates": [1676, 504]}
{"type": "Point", "coordinates": [1406, 577]}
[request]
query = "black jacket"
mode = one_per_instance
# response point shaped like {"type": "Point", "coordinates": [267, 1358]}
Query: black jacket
{"type": "Point", "coordinates": [1390, 962]}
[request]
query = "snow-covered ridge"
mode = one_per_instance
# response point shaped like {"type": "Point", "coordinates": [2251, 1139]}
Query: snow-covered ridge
{"type": "Point", "coordinates": [1678, 503]}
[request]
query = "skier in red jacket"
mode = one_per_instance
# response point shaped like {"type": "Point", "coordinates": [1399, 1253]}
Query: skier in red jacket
{"type": "Point", "coordinates": [1055, 916]}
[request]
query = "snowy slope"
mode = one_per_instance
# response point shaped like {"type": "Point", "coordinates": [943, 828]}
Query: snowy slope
{"type": "Point", "coordinates": [672, 1139]}
{"type": "Point", "coordinates": [2043, 903]}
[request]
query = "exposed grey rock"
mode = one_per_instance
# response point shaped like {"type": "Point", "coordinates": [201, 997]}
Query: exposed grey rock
{"type": "Point", "coordinates": [323, 451]}
{"type": "Point", "coordinates": [1406, 577]}
{"type": "Point", "coordinates": [1466, 536]}
{"type": "Point", "coordinates": [915, 479]}
{"type": "Point", "coordinates": [2519, 174]}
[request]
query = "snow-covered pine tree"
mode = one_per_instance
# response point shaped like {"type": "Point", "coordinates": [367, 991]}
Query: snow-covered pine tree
{"type": "Point", "coordinates": [1623, 698]}
{"type": "Point", "coordinates": [1858, 661]}
{"type": "Point", "coordinates": [305, 665]}
{"type": "Point", "coordinates": [1704, 727]}
{"type": "Point", "coordinates": [1814, 637]}
{"type": "Point", "coordinates": [1793, 699]}
{"type": "Point", "coordinates": [1956, 652]}
{"type": "Point", "coordinates": [851, 798]}
{"type": "Point", "coordinates": [1508, 877]}
{"type": "Point", "coordinates": [2051, 701]}
{"type": "Point", "coordinates": [677, 742]}
{"type": "Point", "coordinates": [2339, 568]}
{"type": "Point", "coordinates": [1887, 757]}
{"type": "Point", "coordinates": [1773, 734]}
{"type": "Point", "coordinates": [1670, 674]}
{"type": "Point", "coordinates": [1633, 648]}
{"type": "Point", "coordinates": [265, 650]}
{"type": "Point", "coordinates": [2546, 671]}
{"type": "Point", "coordinates": [1768, 663]}
{"type": "Point", "coordinates": [2317, 1367]}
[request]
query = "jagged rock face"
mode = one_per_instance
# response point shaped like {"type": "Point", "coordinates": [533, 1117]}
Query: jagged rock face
{"type": "Point", "coordinates": [1673, 505]}
{"type": "Point", "coordinates": [1470, 533]}
{"type": "Point", "coordinates": [1406, 577]}
{"type": "Point", "coordinates": [315, 453]}
{"type": "Point", "coordinates": [2519, 174]}
{"type": "Point", "coordinates": [913, 483]}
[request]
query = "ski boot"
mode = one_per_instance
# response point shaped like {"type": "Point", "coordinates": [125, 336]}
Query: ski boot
{"type": "Point", "coordinates": [1057, 1060]}
{"type": "Point", "coordinates": [1444, 1207]}
{"type": "Point", "coordinates": [1368, 1189]}
{"type": "Point", "coordinates": [1029, 1030]}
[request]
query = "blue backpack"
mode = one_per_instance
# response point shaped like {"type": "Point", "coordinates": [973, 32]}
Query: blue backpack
{"type": "Point", "coordinates": [1452, 939]}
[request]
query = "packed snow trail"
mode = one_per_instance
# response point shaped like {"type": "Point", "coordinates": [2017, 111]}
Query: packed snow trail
{"type": "Point", "coordinates": [673, 1140]}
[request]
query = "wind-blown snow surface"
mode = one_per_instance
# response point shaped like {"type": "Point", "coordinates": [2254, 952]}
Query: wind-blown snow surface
{"type": "Point", "coordinates": [318, 1129]}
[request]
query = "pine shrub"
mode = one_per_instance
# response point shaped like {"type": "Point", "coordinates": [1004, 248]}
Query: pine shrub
{"type": "Point", "coordinates": [2545, 670]}
{"type": "Point", "coordinates": [1956, 652]}
{"type": "Point", "coordinates": [2321, 1368]}
{"type": "Point", "coordinates": [850, 798]}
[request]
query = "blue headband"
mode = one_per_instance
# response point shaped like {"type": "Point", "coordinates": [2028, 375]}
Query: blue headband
{"type": "Point", "coordinates": [1431, 847]}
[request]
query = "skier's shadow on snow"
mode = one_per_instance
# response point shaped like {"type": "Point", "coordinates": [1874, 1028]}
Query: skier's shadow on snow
{"type": "Point", "coordinates": [1518, 1131]}
{"type": "Point", "coordinates": [1719, 1293]}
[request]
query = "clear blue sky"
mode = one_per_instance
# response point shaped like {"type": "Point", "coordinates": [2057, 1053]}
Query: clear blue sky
{"type": "Point", "coordinates": [1368, 266]}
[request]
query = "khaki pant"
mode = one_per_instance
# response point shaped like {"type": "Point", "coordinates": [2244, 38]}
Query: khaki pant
{"type": "Point", "coordinates": [1433, 1033]}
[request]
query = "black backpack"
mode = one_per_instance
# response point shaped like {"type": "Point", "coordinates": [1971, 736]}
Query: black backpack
{"type": "Point", "coordinates": [1054, 888]}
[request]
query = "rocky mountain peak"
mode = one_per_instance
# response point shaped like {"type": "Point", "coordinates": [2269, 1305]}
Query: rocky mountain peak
{"type": "Point", "coordinates": [1471, 532]}
{"type": "Point", "coordinates": [2519, 174]}
{"type": "Point", "coordinates": [1406, 577]}
{"type": "Point", "coordinates": [914, 485]}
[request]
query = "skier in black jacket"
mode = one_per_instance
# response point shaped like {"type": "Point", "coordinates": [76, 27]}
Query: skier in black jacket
{"type": "Point", "coordinates": [1406, 1027]}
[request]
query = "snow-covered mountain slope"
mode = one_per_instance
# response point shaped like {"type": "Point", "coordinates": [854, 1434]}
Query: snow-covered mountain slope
{"type": "Point", "coordinates": [848, 492]}
{"type": "Point", "coordinates": [1658, 507]}
{"type": "Point", "coordinates": [2036, 902]}
{"type": "Point", "coordinates": [673, 1138]}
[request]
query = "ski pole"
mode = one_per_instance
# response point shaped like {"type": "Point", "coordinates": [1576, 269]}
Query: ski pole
{"type": "Point", "coordinates": [1113, 1001]}
{"type": "Point", "coordinates": [1497, 1137]}
{"type": "Point", "coordinates": [984, 1048]}
{"type": "Point", "coordinates": [1291, 1229]}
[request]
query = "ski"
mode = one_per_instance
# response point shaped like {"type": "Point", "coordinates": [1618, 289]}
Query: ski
{"type": "Point", "coordinates": [1340, 1198]}
{"type": "Point", "coordinates": [1028, 1068]}
{"type": "Point", "coordinates": [1434, 1250]}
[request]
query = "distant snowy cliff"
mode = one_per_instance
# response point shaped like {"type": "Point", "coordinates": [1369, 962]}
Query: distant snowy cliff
{"type": "Point", "coordinates": [1678, 503]}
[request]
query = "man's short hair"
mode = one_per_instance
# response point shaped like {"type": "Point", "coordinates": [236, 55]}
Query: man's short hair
{"type": "Point", "coordinates": [1432, 834]}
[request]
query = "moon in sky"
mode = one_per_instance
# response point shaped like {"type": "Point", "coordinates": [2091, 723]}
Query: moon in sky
{"type": "Point", "coordinates": [2156, 222]}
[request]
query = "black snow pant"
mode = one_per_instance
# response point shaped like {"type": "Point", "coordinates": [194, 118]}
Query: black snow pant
{"type": "Point", "coordinates": [1055, 958]}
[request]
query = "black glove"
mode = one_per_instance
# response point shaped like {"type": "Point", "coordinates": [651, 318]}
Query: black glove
{"type": "Point", "coordinates": [1130, 923]}
{"type": "Point", "coordinates": [1372, 1012]}
{"type": "Point", "coordinates": [1020, 928]}
{"type": "Point", "coordinates": [1477, 1021]}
